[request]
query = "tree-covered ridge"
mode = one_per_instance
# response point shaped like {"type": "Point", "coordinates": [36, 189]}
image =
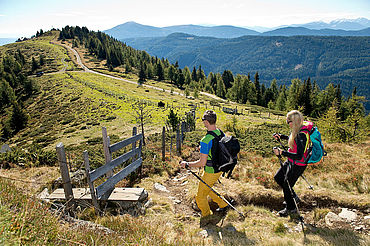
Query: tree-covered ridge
{"type": "Point", "coordinates": [15, 87]}
{"type": "Point", "coordinates": [240, 88]}
{"type": "Point", "coordinates": [339, 60]}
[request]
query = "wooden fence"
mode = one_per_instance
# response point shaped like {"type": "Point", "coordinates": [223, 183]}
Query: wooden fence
{"type": "Point", "coordinates": [106, 190]}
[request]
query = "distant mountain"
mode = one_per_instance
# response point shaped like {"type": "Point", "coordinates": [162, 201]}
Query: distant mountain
{"type": "Point", "coordinates": [344, 24]}
{"type": "Point", "coordinates": [214, 31]}
{"type": "Point", "coordinates": [296, 31]}
{"type": "Point", "coordinates": [343, 27]}
{"type": "Point", "coordinates": [325, 59]}
{"type": "Point", "coordinates": [4, 41]}
{"type": "Point", "coordinates": [135, 30]}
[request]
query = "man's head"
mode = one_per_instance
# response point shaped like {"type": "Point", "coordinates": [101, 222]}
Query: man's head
{"type": "Point", "coordinates": [210, 116]}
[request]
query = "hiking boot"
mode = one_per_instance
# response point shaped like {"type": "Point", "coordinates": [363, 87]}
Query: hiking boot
{"type": "Point", "coordinates": [285, 212]}
{"type": "Point", "coordinates": [222, 210]}
{"type": "Point", "coordinates": [207, 220]}
{"type": "Point", "coordinates": [194, 206]}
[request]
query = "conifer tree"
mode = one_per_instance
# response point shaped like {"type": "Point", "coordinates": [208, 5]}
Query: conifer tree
{"type": "Point", "coordinates": [180, 78]}
{"type": "Point", "coordinates": [257, 88]}
{"type": "Point", "coordinates": [194, 76]}
{"type": "Point", "coordinates": [35, 66]}
{"type": "Point", "coordinates": [160, 71]}
{"type": "Point", "coordinates": [200, 74]}
{"type": "Point", "coordinates": [220, 90]}
{"type": "Point", "coordinates": [228, 79]}
{"type": "Point", "coordinates": [142, 73]}
{"type": "Point", "coordinates": [172, 73]}
{"type": "Point", "coordinates": [187, 75]}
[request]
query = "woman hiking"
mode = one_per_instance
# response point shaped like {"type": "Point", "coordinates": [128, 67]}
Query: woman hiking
{"type": "Point", "coordinates": [294, 166]}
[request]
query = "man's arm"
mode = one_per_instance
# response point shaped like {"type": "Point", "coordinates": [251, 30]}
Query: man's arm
{"type": "Point", "coordinates": [199, 163]}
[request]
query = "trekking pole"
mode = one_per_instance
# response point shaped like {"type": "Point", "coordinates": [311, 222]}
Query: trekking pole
{"type": "Point", "coordinates": [240, 213]}
{"type": "Point", "coordinates": [291, 191]}
{"type": "Point", "coordinates": [309, 185]}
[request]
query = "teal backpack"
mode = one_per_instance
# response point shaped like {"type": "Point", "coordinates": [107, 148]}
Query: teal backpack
{"type": "Point", "coordinates": [316, 150]}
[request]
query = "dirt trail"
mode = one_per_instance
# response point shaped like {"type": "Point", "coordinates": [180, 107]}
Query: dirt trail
{"type": "Point", "coordinates": [179, 194]}
{"type": "Point", "coordinates": [86, 69]}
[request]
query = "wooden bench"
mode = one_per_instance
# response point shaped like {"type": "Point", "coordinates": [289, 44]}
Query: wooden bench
{"type": "Point", "coordinates": [105, 191]}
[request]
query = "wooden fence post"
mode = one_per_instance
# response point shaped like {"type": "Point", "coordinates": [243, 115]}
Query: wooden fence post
{"type": "Point", "coordinates": [178, 140]}
{"type": "Point", "coordinates": [171, 145]}
{"type": "Point", "coordinates": [134, 132]}
{"type": "Point", "coordinates": [163, 144]}
{"type": "Point", "coordinates": [107, 154]}
{"type": "Point", "coordinates": [183, 130]}
{"type": "Point", "coordinates": [67, 186]}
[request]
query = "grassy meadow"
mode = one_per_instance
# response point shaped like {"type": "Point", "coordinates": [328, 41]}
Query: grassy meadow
{"type": "Point", "coordinates": [72, 106]}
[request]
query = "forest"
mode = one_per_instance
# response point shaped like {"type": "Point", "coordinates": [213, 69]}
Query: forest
{"type": "Point", "coordinates": [325, 59]}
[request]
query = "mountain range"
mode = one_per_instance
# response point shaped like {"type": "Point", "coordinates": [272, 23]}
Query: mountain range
{"type": "Point", "coordinates": [325, 59]}
{"type": "Point", "coordinates": [311, 50]}
{"type": "Point", "coordinates": [357, 27]}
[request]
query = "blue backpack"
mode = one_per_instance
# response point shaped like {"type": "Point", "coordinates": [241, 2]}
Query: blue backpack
{"type": "Point", "coordinates": [316, 149]}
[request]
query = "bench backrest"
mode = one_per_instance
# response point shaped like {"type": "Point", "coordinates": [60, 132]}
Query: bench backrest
{"type": "Point", "coordinates": [103, 190]}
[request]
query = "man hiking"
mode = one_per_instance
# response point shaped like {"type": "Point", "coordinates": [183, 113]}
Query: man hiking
{"type": "Point", "coordinates": [207, 150]}
{"type": "Point", "coordinates": [295, 165]}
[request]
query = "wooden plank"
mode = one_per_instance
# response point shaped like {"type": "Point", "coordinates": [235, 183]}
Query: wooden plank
{"type": "Point", "coordinates": [91, 185]}
{"type": "Point", "coordinates": [97, 173]}
{"type": "Point", "coordinates": [126, 194]}
{"type": "Point", "coordinates": [123, 143]}
{"type": "Point", "coordinates": [67, 186]}
{"type": "Point", "coordinates": [118, 194]}
{"type": "Point", "coordinates": [112, 181]}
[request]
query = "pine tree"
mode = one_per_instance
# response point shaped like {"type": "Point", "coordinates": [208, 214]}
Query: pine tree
{"type": "Point", "coordinates": [35, 66]}
{"type": "Point", "coordinates": [220, 90]}
{"type": "Point", "coordinates": [142, 73]}
{"type": "Point", "coordinates": [194, 76]}
{"type": "Point", "coordinates": [160, 71]}
{"type": "Point", "coordinates": [172, 73]}
{"type": "Point", "coordinates": [228, 79]}
{"type": "Point", "coordinates": [257, 88]}
{"type": "Point", "coordinates": [180, 78]}
{"type": "Point", "coordinates": [200, 74]}
{"type": "Point", "coordinates": [18, 118]}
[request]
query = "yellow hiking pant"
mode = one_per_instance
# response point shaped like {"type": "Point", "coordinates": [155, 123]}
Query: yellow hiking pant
{"type": "Point", "coordinates": [204, 191]}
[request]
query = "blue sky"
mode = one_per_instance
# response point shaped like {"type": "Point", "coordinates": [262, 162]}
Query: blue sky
{"type": "Point", "coordinates": [24, 17]}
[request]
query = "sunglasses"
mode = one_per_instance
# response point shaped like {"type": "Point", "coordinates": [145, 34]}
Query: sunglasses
{"type": "Point", "coordinates": [289, 121]}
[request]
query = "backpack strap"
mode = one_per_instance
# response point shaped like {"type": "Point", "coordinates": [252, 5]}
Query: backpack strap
{"type": "Point", "coordinates": [307, 147]}
{"type": "Point", "coordinates": [212, 133]}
